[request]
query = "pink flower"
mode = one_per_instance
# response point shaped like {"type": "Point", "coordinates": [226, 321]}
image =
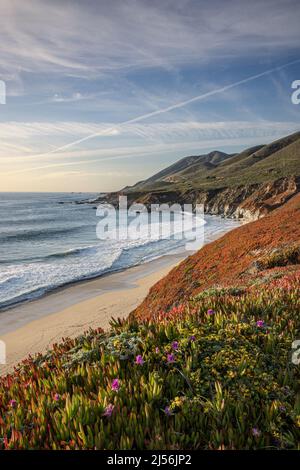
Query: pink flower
{"type": "Point", "coordinates": [168, 411]}
{"type": "Point", "coordinates": [108, 410]}
{"type": "Point", "coordinates": [157, 350]}
{"type": "Point", "coordinates": [175, 345]}
{"type": "Point", "coordinates": [192, 338]}
{"type": "Point", "coordinates": [13, 403]}
{"type": "Point", "coordinates": [256, 432]}
{"type": "Point", "coordinates": [139, 360]}
{"type": "Point", "coordinates": [56, 397]}
{"type": "Point", "coordinates": [115, 385]}
{"type": "Point", "coordinates": [210, 311]}
{"type": "Point", "coordinates": [260, 323]}
{"type": "Point", "coordinates": [170, 358]}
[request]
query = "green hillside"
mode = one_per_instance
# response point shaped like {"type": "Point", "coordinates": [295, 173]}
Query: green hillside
{"type": "Point", "coordinates": [218, 170]}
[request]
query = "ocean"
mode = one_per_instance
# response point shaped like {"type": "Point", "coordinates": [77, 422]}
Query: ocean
{"type": "Point", "coordinates": [47, 241]}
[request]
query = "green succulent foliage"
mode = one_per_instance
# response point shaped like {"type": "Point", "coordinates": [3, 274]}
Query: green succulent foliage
{"type": "Point", "coordinates": [220, 292]}
{"type": "Point", "coordinates": [215, 381]}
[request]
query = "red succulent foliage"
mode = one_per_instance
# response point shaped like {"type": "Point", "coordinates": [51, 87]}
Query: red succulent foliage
{"type": "Point", "coordinates": [228, 261]}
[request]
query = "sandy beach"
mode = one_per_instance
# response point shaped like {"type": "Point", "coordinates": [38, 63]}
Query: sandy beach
{"type": "Point", "coordinates": [35, 326]}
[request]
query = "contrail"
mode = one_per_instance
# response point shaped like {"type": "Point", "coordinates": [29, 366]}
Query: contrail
{"type": "Point", "coordinates": [167, 109]}
{"type": "Point", "coordinates": [172, 107]}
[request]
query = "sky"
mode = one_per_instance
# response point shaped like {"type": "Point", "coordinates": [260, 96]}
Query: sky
{"type": "Point", "coordinates": [100, 95]}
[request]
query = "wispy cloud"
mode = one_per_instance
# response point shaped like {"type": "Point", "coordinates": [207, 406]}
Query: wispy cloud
{"type": "Point", "coordinates": [116, 128]}
{"type": "Point", "coordinates": [157, 139]}
{"type": "Point", "coordinates": [90, 82]}
{"type": "Point", "coordinates": [87, 39]}
{"type": "Point", "coordinates": [165, 131]}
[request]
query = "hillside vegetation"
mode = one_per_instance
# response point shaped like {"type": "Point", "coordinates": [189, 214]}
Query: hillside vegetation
{"type": "Point", "coordinates": [218, 169]}
{"type": "Point", "coordinates": [246, 185]}
{"type": "Point", "coordinates": [235, 259]}
{"type": "Point", "coordinates": [203, 363]}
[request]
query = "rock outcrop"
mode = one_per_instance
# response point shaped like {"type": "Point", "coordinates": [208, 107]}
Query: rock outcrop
{"type": "Point", "coordinates": [247, 202]}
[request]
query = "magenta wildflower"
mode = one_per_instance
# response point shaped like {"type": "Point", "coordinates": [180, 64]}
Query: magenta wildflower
{"type": "Point", "coordinates": [168, 411]}
{"type": "Point", "coordinates": [139, 360]}
{"type": "Point", "coordinates": [170, 358]}
{"type": "Point", "coordinates": [108, 410]}
{"type": "Point", "coordinates": [192, 338]}
{"type": "Point", "coordinates": [210, 311]}
{"type": "Point", "coordinates": [260, 323]}
{"type": "Point", "coordinates": [175, 345]}
{"type": "Point", "coordinates": [115, 385]}
{"type": "Point", "coordinates": [157, 350]}
{"type": "Point", "coordinates": [56, 397]}
{"type": "Point", "coordinates": [256, 432]}
{"type": "Point", "coordinates": [13, 403]}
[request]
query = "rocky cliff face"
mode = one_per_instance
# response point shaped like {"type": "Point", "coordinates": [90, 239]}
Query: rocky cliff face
{"type": "Point", "coordinates": [269, 196]}
{"type": "Point", "coordinates": [248, 202]}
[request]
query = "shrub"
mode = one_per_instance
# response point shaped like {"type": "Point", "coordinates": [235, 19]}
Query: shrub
{"type": "Point", "coordinates": [280, 257]}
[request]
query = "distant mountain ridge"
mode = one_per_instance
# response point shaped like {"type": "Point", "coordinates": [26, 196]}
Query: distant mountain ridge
{"type": "Point", "coordinates": [185, 166]}
{"type": "Point", "coordinates": [246, 185]}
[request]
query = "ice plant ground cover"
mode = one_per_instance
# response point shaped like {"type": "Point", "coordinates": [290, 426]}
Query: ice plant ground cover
{"type": "Point", "coordinates": [251, 254]}
{"type": "Point", "coordinates": [213, 373]}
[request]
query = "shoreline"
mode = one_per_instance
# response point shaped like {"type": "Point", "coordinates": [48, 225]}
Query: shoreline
{"type": "Point", "coordinates": [35, 326]}
{"type": "Point", "coordinates": [75, 283]}
{"type": "Point", "coordinates": [62, 297]}
{"type": "Point", "coordinates": [50, 290]}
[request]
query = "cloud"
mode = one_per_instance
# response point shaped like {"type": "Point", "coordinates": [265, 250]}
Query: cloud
{"type": "Point", "coordinates": [115, 129]}
{"type": "Point", "coordinates": [177, 139]}
{"type": "Point", "coordinates": [26, 130]}
{"type": "Point", "coordinates": [57, 98]}
{"type": "Point", "coordinates": [92, 81]}
{"type": "Point", "coordinates": [87, 39]}
{"type": "Point", "coordinates": [85, 174]}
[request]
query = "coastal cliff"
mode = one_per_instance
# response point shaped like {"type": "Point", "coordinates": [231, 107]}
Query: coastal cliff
{"type": "Point", "coordinates": [249, 202]}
